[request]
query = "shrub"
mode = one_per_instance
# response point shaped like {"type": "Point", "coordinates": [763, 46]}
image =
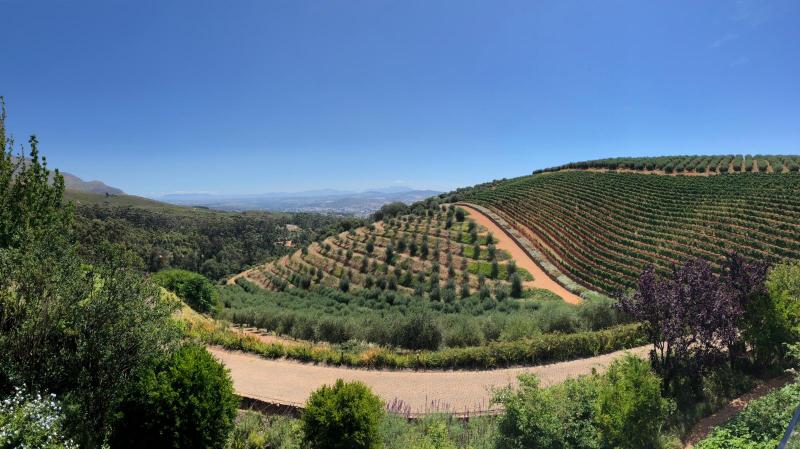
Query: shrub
{"type": "Point", "coordinates": [28, 421]}
{"type": "Point", "coordinates": [495, 270]}
{"type": "Point", "coordinates": [186, 402]}
{"type": "Point", "coordinates": [198, 292]}
{"type": "Point", "coordinates": [760, 425]}
{"type": "Point", "coordinates": [344, 283]}
{"type": "Point", "coordinates": [255, 430]}
{"type": "Point", "coordinates": [556, 417]}
{"type": "Point", "coordinates": [344, 416]}
{"type": "Point", "coordinates": [418, 331]}
{"type": "Point", "coordinates": [511, 268]}
{"type": "Point", "coordinates": [630, 410]}
{"type": "Point", "coordinates": [516, 286]}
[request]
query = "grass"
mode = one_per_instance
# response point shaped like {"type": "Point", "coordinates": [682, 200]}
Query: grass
{"type": "Point", "coordinates": [256, 431]}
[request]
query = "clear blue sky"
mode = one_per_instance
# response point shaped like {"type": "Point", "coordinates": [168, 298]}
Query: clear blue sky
{"type": "Point", "coordinates": [255, 96]}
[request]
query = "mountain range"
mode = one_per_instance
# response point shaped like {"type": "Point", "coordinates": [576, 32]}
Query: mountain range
{"type": "Point", "coordinates": [75, 183]}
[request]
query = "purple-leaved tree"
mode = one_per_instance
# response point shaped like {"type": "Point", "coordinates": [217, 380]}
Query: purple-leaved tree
{"type": "Point", "coordinates": [693, 316]}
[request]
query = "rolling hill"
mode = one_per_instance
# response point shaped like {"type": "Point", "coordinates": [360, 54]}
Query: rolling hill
{"type": "Point", "coordinates": [690, 165]}
{"type": "Point", "coordinates": [603, 228]}
{"type": "Point", "coordinates": [76, 184]}
{"type": "Point", "coordinates": [438, 254]}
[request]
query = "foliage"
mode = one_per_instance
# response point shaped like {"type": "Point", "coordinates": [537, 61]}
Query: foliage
{"type": "Point", "coordinates": [437, 431]}
{"type": "Point", "coordinates": [516, 286]}
{"type": "Point", "coordinates": [629, 411]}
{"type": "Point", "coordinates": [28, 421]}
{"type": "Point", "coordinates": [83, 332]}
{"type": "Point", "coordinates": [603, 229]}
{"type": "Point", "coordinates": [390, 210]}
{"type": "Point", "coordinates": [535, 350]}
{"type": "Point", "coordinates": [345, 415]}
{"type": "Point", "coordinates": [760, 425]}
{"type": "Point", "coordinates": [622, 408]}
{"type": "Point", "coordinates": [382, 317]}
{"type": "Point", "coordinates": [693, 315]}
{"type": "Point", "coordinates": [550, 418]}
{"type": "Point", "coordinates": [188, 401]}
{"type": "Point", "coordinates": [215, 244]}
{"type": "Point", "coordinates": [696, 164]}
{"type": "Point", "coordinates": [195, 289]}
{"type": "Point", "coordinates": [774, 317]}
{"type": "Point", "coordinates": [60, 317]}
{"type": "Point", "coordinates": [254, 430]}
{"type": "Point", "coordinates": [30, 195]}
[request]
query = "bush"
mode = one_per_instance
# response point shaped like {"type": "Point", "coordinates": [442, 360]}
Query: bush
{"type": "Point", "coordinates": [254, 430]}
{"type": "Point", "coordinates": [760, 425]}
{"type": "Point", "coordinates": [630, 410]}
{"type": "Point", "coordinates": [198, 292]}
{"type": "Point", "coordinates": [187, 402]}
{"type": "Point", "coordinates": [516, 286]}
{"type": "Point", "coordinates": [344, 416]}
{"type": "Point", "coordinates": [556, 417]}
{"type": "Point", "coordinates": [418, 331]}
{"type": "Point", "coordinates": [344, 283]}
{"type": "Point", "coordinates": [32, 422]}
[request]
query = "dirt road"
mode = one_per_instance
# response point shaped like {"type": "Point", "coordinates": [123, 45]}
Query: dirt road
{"type": "Point", "coordinates": [523, 260]}
{"type": "Point", "coordinates": [290, 383]}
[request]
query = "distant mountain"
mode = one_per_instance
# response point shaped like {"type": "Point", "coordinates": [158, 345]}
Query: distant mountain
{"type": "Point", "coordinates": [72, 182]}
{"type": "Point", "coordinates": [322, 201]}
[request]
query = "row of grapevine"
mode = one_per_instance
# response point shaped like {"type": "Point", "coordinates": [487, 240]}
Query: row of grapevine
{"type": "Point", "coordinates": [602, 229]}
{"type": "Point", "coordinates": [722, 164]}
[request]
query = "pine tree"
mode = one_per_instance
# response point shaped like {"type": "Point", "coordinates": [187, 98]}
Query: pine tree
{"type": "Point", "coordinates": [495, 270]}
{"type": "Point", "coordinates": [464, 289]}
{"type": "Point", "coordinates": [344, 283]}
{"type": "Point", "coordinates": [516, 286]}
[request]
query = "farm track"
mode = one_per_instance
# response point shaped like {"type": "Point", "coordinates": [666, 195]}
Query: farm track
{"type": "Point", "coordinates": [703, 428]}
{"type": "Point", "coordinates": [521, 257]}
{"type": "Point", "coordinates": [285, 382]}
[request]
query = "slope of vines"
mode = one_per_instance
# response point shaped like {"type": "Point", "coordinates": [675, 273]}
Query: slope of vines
{"type": "Point", "coordinates": [436, 254]}
{"type": "Point", "coordinates": [604, 228]}
{"type": "Point", "coordinates": [699, 165]}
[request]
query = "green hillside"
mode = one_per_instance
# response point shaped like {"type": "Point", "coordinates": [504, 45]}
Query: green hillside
{"type": "Point", "coordinates": [698, 165]}
{"type": "Point", "coordinates": [213, 243]}
{"type": "Point", "coordinates": [434, 254]}
{"type": "Point", "coordinates": [602, 229]}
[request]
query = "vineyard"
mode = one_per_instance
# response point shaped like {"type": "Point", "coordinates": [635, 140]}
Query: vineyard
{"type": "Point", "coordinates": [439, 254]}
{"type": "Point", "coordinates": [692, 165]}
{"type": "Point", "coordinates": [602, 229]}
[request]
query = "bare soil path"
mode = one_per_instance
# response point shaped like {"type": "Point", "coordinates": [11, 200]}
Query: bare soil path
{"type": "Point", "coordinates": [707, 424]}
{"type": "Point", "coordinates": [287, 382]}
{"type": "Point", "coordinates": [523, 260]}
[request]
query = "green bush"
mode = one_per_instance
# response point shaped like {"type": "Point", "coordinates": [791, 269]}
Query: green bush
{"type": "Point", "coordinates": [760, 425]}
{"type": "Point", "coordinates": [28, 421]}
{"type": "Point", "coordinates": [344, 416]}
{"type": "Point", "coordinates": [629, 410]}
{"type": "Point", "coordinates": [198, 292]}
{"type": "Point", "coordinates": [254, 430]}
{"type": "Point", "coordinates": [186, 402]}
{"type": "Point", "coordinates": [551, 418]}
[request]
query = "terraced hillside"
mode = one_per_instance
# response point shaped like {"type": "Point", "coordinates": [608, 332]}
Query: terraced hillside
{"type": "Point", "coordinates": [602, 229]}
{"type": "Point", "coordinates": [692, 165]}
{"type": "Point", "coordinates": [438, 254]}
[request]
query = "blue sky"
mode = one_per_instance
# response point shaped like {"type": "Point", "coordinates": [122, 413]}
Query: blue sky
{"type": "Point", "coordinates": [256, 96]}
